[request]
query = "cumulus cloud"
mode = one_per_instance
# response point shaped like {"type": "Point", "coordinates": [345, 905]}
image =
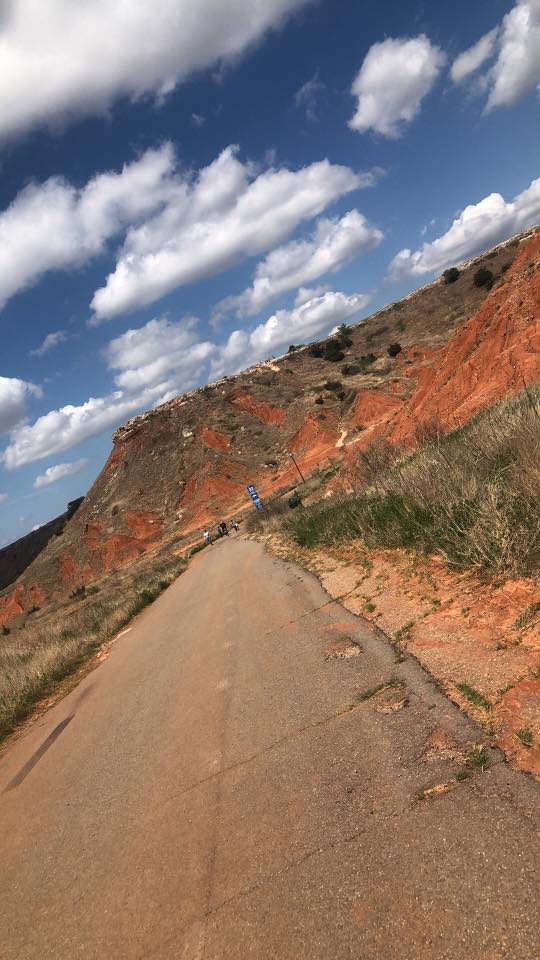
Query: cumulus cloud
{"type": "Point", "coordinates": [312, 319]}
{"type": "Point", "coordinates": [160, 348]}
{"type": "Point", "coordinates": [13, 396]}
{"type": "Point", "coordinates": [61, 429]}
{"type": "Point", "coordinates": [50, 342]}
{"type": "Point", "coordinates": [516, 71]}
{"type": "Point", "coordinates": [478, 226]}
{"type": "Point", "coordinates": [53, 225]}
{"type": "Point", "coordinates": [62, 58]}
{"type": "Point", "coordinates": [393, 80]}
{"type": "Point", "coordinates": [513, 47]}
{"type": "Point", "coordinates": [310, 293]}
{"type": "Point", "coordinates": [61, 470]}
{"type": "Point", "coordinates": [334, 243]}
{"type": "Point", "coordinates": [472, 59]}
{"type": "Point", "coordinates": [228, 212]}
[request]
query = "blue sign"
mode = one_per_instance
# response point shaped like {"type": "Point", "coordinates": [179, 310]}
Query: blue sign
{"type": "Point", "coordinates": [255, 496]}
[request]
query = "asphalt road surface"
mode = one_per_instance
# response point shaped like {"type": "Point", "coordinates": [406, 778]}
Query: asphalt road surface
{"type": "Point", "coordinates": [218, 790]}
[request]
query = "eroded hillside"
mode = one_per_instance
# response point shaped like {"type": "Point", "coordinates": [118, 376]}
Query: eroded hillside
{"type": "Point", "coordinates": [186, 464]}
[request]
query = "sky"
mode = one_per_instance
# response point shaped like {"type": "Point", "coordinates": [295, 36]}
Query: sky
{"type": "Point", "coordinates": [189, 187]}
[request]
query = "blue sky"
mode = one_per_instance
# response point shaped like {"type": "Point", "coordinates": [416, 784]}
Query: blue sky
{"type": "Point", "coordinates": [188, 188]}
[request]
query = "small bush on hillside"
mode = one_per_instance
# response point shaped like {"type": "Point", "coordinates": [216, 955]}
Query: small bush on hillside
{"type": "Point", "coordinates": [483, 278]}
{"type": "Point", "coordinates": [333, 351]}
{"type": "Point", "coordinates": [451, 275]}
{"type": "Point", "coordinates": [333, 385]}
{"type": "Point", "coordinates": [394, 349]}
{"type": "Point", "coordinates": [294, 346]}
{"type": "Point", "coordinates": [367, 359]}
{"type": "Point", "coordinates": [351, 369]}
{"type": "Point", "coordinates": [316, 351]}
{"type": "Point", "coordinates": [319, 400]}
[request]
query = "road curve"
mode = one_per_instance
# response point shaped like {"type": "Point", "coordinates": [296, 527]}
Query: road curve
{"type": "Point", "coordinates": [218, 790]}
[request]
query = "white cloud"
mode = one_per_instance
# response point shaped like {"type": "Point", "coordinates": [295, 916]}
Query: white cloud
{"type": "Point", "coordinates": [53, 225]}
{"type": "Point", "coordinates": [4, 497]}
{"type": "Point", "coordinates": [333, 244]}
{"type": "Point", "coordinates": [312, 319]}
{"type": "Point", "coordinates": [212, 222]}
{"type": "Point", "coordinates": [198, 120]}
{"type": "Point", "coordinates": [161, 347]}
{"type": "Point", "coordinates": [472, 59]}
{"type": "Point", "coordinates": [310, 293]}
{"type": "Point", "coordinates": [62, 58]}
{"type": "Point", "coordinates": [13, 396]}
{"type": "Point", "coordinates": [64, 428]}
{"type": "Point", "coordinates": [516, 71]}
{"type": "Point", "coordinates": [478, 227]}
{"type": "Point", "coordinates": [306, 98]}
{"type": "Point", "coordinates": [50, 342]}
{"type": "Point", "coordinates": [61, 470]}
{"type": "Point", "coordinates": [514, 50]}
{"type": "Point", "coordinates": [393, 80]}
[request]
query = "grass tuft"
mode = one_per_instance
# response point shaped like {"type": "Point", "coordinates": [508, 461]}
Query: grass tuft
{"type": "Point", "coordinates": [525, 736]}
{"type": "Point", "coordinates": [474, 696]}
{"type": "Point", "coordinates": [478, 757]}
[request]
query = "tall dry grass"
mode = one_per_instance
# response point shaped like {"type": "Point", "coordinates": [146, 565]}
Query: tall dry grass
{"type": "Point", "coordinates": [472, 496]}
{"type": "Point", "coordinates": [35, 657]}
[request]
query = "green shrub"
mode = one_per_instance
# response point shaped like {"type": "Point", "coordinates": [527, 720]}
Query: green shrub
{"type": "Point", "coordinates": [333, 351]}
{"type": "Point", "coordinates": [483, 278]}
{"type": "Point", "coordinates": [394, 349]}
{"type": "Point", "coordinates": [451, 275]}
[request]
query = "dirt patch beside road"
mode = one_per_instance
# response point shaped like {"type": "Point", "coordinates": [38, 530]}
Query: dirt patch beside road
{"type": "Point", "coordinates": [480, 641]}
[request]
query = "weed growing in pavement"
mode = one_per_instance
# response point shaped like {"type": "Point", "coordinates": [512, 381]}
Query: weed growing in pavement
{"type": "Point", "coordinates": [525, 736]}
{"type": "Point", "coordinates": [478, 757]}
{"type": "Point", "coordinates": [474, 696]}
{"type": "Point", "coordinates": [385, 685]}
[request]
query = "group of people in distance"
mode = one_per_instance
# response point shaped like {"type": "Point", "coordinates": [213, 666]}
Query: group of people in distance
{"type": "Point", "coordinates": [222, 530]}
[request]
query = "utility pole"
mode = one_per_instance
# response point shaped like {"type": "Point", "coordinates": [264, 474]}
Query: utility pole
{"type": "Point", "coordinates": [297, 467]}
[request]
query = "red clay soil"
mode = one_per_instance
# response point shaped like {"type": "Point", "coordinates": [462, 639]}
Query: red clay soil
{"type": "Point", "coordinates": [144, 526]}
{"type": "Point", "coordinates": [372, 406]}
{"type": "Point", "coordinates": [315, 442]}
{"type": "Point", "coordinates": [495, 353]}
{"type": "Point", "coordinates": [11, 606]}
{"type": "Point", "coordinates": [215, 439]}
{"type": "Point", "coordinates": [66, 567]}
{"type": "Point", "coordinates": [258, 408]}
{"type": "Point", "coordinates": [462, 630]}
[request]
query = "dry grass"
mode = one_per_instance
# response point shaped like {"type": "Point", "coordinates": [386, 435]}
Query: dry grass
{"type": "Point", "coordinates": [36, 656]}
{"type": "Point", "coordinates": [472, 496]}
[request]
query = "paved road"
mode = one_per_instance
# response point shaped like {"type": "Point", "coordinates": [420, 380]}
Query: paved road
{"type": "Point", "coordinates": [217, 790]}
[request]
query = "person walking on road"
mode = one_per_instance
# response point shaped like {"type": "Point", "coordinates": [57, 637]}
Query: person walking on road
{"type": "Point", "coordinates": [223, 529]}
{"type": "Point", "coordinates": [207, 536]}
